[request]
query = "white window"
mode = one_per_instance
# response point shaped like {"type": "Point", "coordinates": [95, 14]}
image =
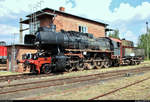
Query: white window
{"type": "Point", "coordinates": [83, 29]}
{"type": "Point", "coordinates": [34, 26]}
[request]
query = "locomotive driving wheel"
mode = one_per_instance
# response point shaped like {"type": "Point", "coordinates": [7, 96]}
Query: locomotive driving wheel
{"type": "Point", "coordinates": [70, 68]}
{"type": "Point", "coordinates": [137, 62]}
{"type": "Point", "coordinates": [98, 64]}
{"type": "Point", "coordinates": [107, 63]}
{"type": "Point", "coordinates": [46, 68]}
{"type": "Point", "coordinates": [80, 66]}
{"type": "Point", "coordinates": [89, 66]}
{"type": "Point", "coordinates": [132, 63]}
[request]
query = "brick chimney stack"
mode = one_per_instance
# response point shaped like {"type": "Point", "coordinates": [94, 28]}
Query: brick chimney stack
{"type": "Point", "coordinates": [62, 9]}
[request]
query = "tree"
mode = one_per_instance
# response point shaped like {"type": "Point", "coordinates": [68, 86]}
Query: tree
{"type": "Point", "coordinates": [114, 34]}
{"type": "Point", "coordinates": [142, 42]}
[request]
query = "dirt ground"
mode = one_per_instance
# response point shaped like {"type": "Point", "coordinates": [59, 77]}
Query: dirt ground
{"type": "Point", "coordinates": [71, 74]}
{"type": "Point", "coordinates": [140, 91]}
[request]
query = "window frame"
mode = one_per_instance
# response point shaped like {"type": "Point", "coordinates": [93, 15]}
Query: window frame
{"type": "Point", "coordinates": [83, 29]}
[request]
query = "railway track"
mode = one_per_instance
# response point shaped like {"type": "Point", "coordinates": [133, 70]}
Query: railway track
{"type": "Point", "coordinates": [30, 75]}
{"type": "Point", "coordinates": [23, 76]}
{"type": "Point", "coordinates": [26, 76]}
{"type": "Point", "coordinates": [113, 91]}
{"type": "Point", "coordinates": [72, 90]}
{"type": "Point", "coordinates": [57, 82]}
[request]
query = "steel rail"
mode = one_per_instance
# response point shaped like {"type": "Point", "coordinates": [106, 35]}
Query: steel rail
{"type": "Point", "coordinates": [98, 74]}
{"type": "Point", "coordinates": [70, 82]}
{"type": "Point", "coordinates": [126, 86]}
{"type": "Point", "coordinates": [30, 75]}
{"type": "Point", "coordinates": [68, 90]}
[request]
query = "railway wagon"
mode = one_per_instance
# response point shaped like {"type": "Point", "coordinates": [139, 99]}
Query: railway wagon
{"type": "Point", "coordinates": [131, 55]}
{"type": "Point", "coordinates": [139, 53]}
{"type": "Point", "coordinates": [3, 52]}
{"type": "Point", "coordinates": [70, 50]}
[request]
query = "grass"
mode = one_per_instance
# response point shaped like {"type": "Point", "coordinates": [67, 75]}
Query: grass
{"type": "Point", "coordinates": [140, 91]}
{"type": "Point", "coordinates": [3, 73]}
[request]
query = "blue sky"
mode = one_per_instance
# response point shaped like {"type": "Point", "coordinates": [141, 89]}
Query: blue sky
{"type": "Point", "coordinates": [128, 16]}
{"type": "Point", "coordinates": [134, 3]}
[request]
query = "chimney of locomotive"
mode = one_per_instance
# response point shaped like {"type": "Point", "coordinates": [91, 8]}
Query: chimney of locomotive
{"type": "Point", "coordinates": [62, 9]}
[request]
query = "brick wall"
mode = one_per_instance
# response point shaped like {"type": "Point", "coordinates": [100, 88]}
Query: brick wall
{"type": "Point", "coordinates": [20, 50]}
{"type": "Point", "coordinates": [71, 23]}
{"type": "Point", "coordinates": [68, 23]}
{"type": "Point", "coordinates": [45, 21]}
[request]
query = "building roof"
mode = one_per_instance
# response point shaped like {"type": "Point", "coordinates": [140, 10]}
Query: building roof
{"type": "Point", "coordinates": [25, 45]}
{"type": "Point", "coordinates": [38, 15]}
{"type": "Point", "coordinates": [64, 13]}
{"type": "Point", "coordinates": [115, 39]}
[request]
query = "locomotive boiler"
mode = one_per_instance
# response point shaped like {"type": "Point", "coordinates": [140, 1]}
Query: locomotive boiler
{"type": "Point", "coordinates": [49, 39]}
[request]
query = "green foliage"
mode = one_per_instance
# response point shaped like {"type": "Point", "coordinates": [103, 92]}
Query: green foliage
{"type": "Point", "coordinates": [114, 34]}
{"type": "Point", "coordinates": [142, 42]}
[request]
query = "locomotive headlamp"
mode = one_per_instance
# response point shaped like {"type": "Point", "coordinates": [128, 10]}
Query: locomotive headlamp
{"type": "Point", "coordinates": [84, 53]}
{"type": "Point", "coordinates": [35, 57]}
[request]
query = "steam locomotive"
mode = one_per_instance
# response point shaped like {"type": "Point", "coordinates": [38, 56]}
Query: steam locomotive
{"type": "Point", "coordinates": [70, 50]}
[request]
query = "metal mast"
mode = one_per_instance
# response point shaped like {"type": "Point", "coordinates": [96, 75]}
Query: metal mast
{"type": "Point", "coordinates": [21, 35]}
{"type": "Point", "coordinates": [147, 41]}
{"type": "Point", "coordinates": [33, 16]}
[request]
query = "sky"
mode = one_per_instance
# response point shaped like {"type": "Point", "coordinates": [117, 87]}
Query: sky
{"type": "Point", "coordinates": [128, 16]}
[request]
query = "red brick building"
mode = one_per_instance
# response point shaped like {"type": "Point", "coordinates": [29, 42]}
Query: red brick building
{"type": "Point", "coordinates": [65, 21]}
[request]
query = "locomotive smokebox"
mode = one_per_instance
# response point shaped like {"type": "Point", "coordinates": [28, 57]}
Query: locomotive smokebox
{"type": "Point", "coordinates": [50, 38]}
{"type": "Point", "coordinates": [29, 39]}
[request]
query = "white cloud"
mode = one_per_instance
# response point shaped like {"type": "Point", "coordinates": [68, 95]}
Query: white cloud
{"type": "Point", "coordinates": [7, 33]}
{"type": "Point", "coordinates": [8, 30]}
{"type": "Point", "coordinates": [143, 30]}
{"type": "Point", "coordinates": [124, 32]}
{"type": "Point", "coordinates": [17, 6]}
{"type": "Point", "coordinates": [99, 9]}
{"type": "Point", "coordinates": [94, 9]}
{"type": "Point", "coordinates": [126, 11]}
{"type": "Point", "coordinates": [128, 35]}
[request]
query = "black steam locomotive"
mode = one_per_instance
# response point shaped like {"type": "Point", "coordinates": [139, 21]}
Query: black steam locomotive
{"type": "Point", "coordinates": [69, 50]}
